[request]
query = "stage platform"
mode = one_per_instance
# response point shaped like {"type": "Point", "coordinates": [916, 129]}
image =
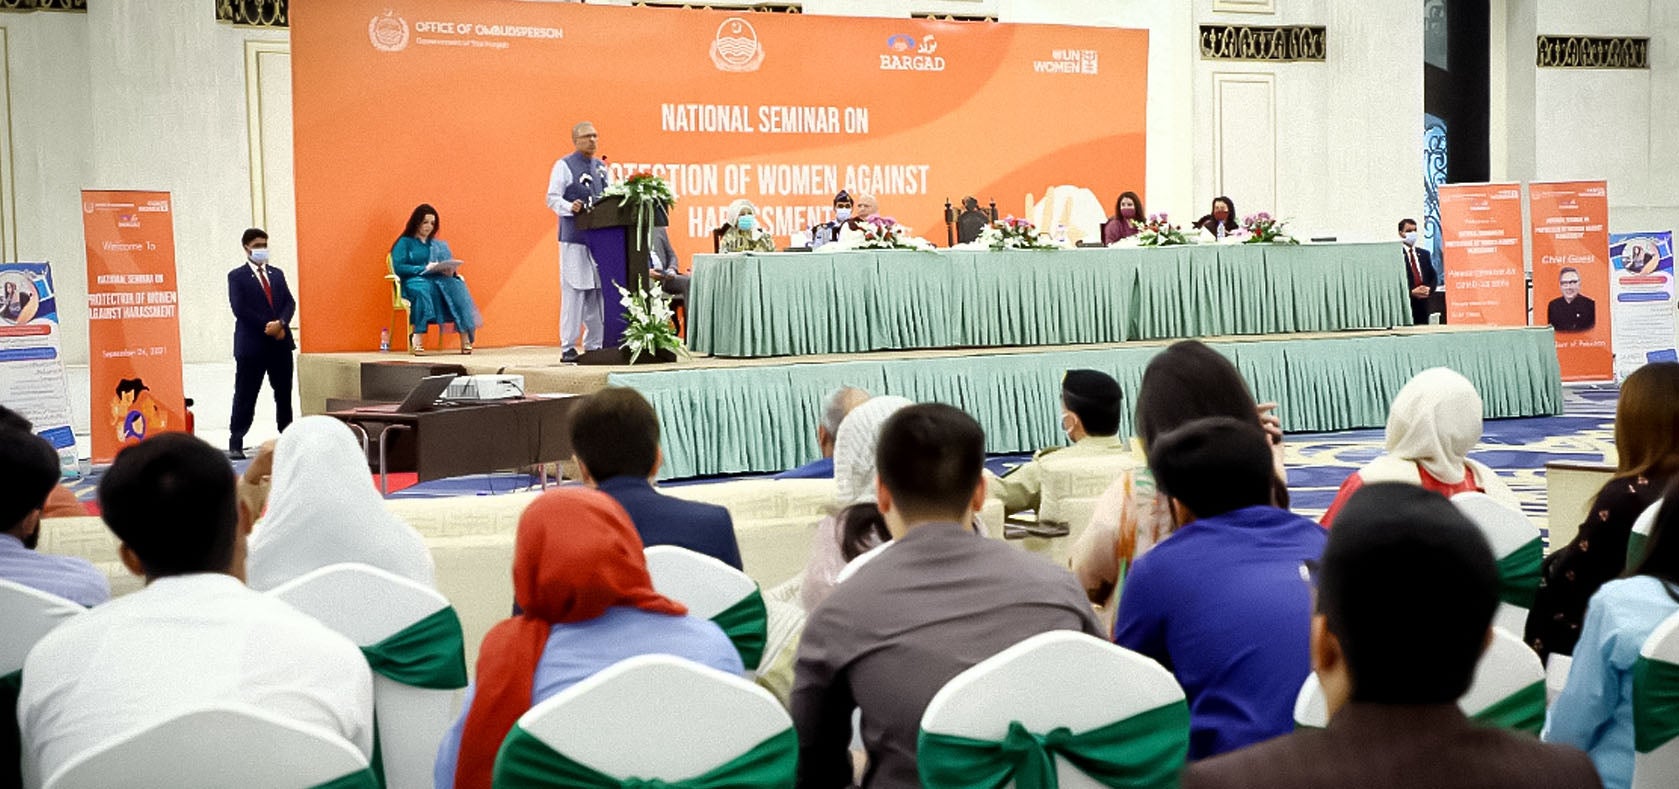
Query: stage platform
{"type": "Point", "coordinates": [730, 416]}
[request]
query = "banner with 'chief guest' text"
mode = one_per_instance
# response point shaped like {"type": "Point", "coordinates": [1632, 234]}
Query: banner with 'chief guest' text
{"type": "Point", "coordinates": [1571, 274]}
{"type": "Point", "coordinates": [466, 105]}
{"type": "Point", "coordinates": [134, 331]}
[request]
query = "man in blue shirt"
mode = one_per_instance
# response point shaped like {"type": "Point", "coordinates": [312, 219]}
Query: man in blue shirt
{"type": "Point", "coordinates": [1222, 603]}
{"type": "Point", "coordinates": [615, 438]}
{"type": "Point", "coordinates": [30, 467]}
{"type": "Point", "coordinates": [835, 407]}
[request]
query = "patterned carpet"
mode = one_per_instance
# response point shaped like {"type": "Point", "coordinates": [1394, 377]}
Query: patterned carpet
{"type": "Point", "coordinates": [1317, 462]}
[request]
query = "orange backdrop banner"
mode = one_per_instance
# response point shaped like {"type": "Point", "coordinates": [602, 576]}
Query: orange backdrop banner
{"type": "Point", "coordinates": [466, 104]}
{"type": "Point", "coordinates": [1571, 274]}
{"type": "Point", "coordinates": [134, 332]}
{"type": "Point", "coordinates": [1481, 225]}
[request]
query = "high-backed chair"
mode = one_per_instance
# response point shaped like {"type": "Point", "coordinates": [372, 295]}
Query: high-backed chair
{"type": "Point", "coordinates": [1655, 709]}
{"type": "Point", "coordinates": [652, 718]}
{"type": "Point", "coordinates": [1517, 546]}
{"type": "Point", "coordinates": [221, 746]}
{"type": "Point", "coordinates": [412, 639]}
{"type": "Point", "coordinates": [1508, 690]}
{"type": "Point", "coordinates": [714, 590]}
{"type": "Point", "coordinates": [1109, 715]}
{"type": "Point", "coordinates": [26, 616]}
{"type": "Point", "coordinates": [1641, 532]}
{"type": "Point", "coordinates": [1068, 497]}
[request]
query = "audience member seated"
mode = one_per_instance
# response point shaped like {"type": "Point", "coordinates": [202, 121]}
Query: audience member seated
{"type": "Point", "coordinates": [1594, 710]}
{"type": "Point", "coordinates": [615, 435]}
{"type": "Point", "coordinates": [1185, 382]}
{"type": "Point", "coordinates": [663, 267]}
{"type": "Point", "coordinates": [828, 232]}
{"type": "Point", "coordinates": [257, 480]}
{"type": "Point", "coordinates": [324, 510]}
{"type": "Point", "coordinates": [30, 467]}
{"type": "Point", "coordinates": [1221, 604]}
{"type": "Point", "coordinates": [1128, 214]}
{"type": "Point", "coordinates": [835, 406]}
{"type": "Point", "coordinates": [1393, 665]}
{"type": "Point", "coordinates": [858, 525]}
{"type": "Point", "coordinates": [941, 600]}
{"type": "Point", "coordinates": [1221, 221]}
{"type": "Point", "coordinates": [742, 233]}
{"type": "Point", "coordinates": [1090, 402]}
{"type": "Point", "coordinates": [971, 222]}
{"type": "Point", "coordinates": [194, 635]}
{"type": "Point", "coordinates": [580, 582]}
{"type": "Point", "coordinates": [1433, 423]}
{"type": "Point", "coordinates": [61, 502]}
{"type": "Point", "coordinates": [1647, 448]}
{"type": "Point", "coordinates": [435, 294]}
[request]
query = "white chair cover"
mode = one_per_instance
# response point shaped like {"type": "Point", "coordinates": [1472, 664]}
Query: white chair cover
{"type": "Point", "coordinates": [702, 583]}
{"type": "Point", "coordinates": [861, 559]}
{"type": "Point", "coordinates": [26, 615]}
{"type": "Point", "coordinates": [1095, 683]}
{"type": "Point", "coordinates": [1507, 668]}
{"type": "Point", "coordinates": [1507, 530]}
{"type": "Point", "coordinates": [1641, 532]}
{"type": "Point", "coordinates": [1658, 769]}
{"type": "Point", "coordinates": [215, 747]}
{"type": "Point", "coordinates": [367, 605]}
{"type": "Point", "coordinates": [656, 717]}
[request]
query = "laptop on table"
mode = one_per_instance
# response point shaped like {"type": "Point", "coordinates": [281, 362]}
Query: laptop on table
{"type": "Point", "coordinates": [423, 397]}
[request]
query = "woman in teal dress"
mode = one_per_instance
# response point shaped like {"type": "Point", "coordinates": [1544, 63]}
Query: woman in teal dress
{"type": "Point", "coordinates": [439, 296]}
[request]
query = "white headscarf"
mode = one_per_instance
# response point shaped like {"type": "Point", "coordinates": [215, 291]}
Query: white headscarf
{"type": "Point", "coordinates": [1435, 420]}
{"type": "Point", "coordinates": [741, 206]}
{"type": "Point", "coordinates": [854, 447]}
{"type": "Point", "coordinates": [323, 509]}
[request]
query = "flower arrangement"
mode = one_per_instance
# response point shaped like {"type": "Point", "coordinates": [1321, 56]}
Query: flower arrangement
{"type": "Point", "coordinates": [1012, 233]}
{"type": "Point", "coordinates": [1159, 231]}
{"type": "Point", "coordinates": [1262, 228]}
{"type": "Point", "coordinates": [879, 232]}
{"type": "Point", "coordinates": [648, 328]}
{"type": "Point", "coordinates": [645, 191]}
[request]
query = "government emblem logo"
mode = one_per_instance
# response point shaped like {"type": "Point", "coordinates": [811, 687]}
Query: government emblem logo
{"type": "Point", "coordinates": [388, 32]}
{"type": "Point", "coordinates": [736, 47]}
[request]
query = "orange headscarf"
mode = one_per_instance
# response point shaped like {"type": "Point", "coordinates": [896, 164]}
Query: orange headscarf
{"type": "Point", "coordinates": [576, 555]}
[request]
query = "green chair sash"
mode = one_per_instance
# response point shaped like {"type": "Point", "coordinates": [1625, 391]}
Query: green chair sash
{"type": "Point", "coordinates": [1655, 703]}
{"type": "Point", "coordinates": [1144, 751]}
{"type": "Point", "coordinates": [430, 653]}
{"type": "Point", "coordinates": [1518, 574]}
{"type": "Point", "coordinates": [1635, 548]}
{"type": "Point", "coordinates": [526, 762]}
{"type": "Point", "coordinates": [1523, 710]}
{"type": "Point", "coordinates": [360, 779]}
{"type": "Point", "coordinates": [11, 739]}
{"type": "Point", "coordinates": [747, 625]}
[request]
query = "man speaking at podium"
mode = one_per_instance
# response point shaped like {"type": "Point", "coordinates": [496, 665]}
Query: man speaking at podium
{"type": "Point", "coordinates": [576, 181]}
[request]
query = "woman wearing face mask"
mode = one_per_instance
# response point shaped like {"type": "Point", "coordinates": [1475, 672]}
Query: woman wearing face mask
{"type": "Point", "coordinates": [1222, 221]}
{"type": "Point", "coordinates": [743, 234]}
{"type": "Point", "coordinates": [1128, 213]}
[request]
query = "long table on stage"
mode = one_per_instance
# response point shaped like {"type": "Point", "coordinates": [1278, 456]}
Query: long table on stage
{"type": "Point", "coordinates": [790, 304]}
{"type": "Point", "coordinates": [466, 439]}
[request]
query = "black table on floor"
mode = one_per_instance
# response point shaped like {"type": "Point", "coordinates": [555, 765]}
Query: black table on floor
{"type": "Point", "coordinates": [466, 438]}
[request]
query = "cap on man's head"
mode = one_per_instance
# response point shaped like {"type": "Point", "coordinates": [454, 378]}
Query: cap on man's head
{"type": "Point", "coordinates": [842, 197]}
{"type": "Point", "coordinates": [1387, 538]}
{"type": "Point", "coordinates": [1094, 397]}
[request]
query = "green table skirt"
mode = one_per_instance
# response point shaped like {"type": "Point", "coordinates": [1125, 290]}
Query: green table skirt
{"type": "Point", "coordinates": [795, 304]}
{"type": "Point", "coordinates": [763, 418]}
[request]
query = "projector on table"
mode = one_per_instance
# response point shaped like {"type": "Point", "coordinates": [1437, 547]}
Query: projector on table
{"type": "Point", "coordinates": [485, 387]}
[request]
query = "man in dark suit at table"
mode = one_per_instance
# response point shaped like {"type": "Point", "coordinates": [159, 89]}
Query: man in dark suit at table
{"type": "Point", "coordinates": [615, 438]}
{"type": "Point", "coordinates": [262, 342]}
{"type": "Point", "coordinates": [1419, 272]}
{"type": "Point", "coordinates": [1392, 666]}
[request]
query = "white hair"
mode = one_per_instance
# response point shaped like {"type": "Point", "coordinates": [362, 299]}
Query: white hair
{"type": "Point", "coordinates": [837, 404]}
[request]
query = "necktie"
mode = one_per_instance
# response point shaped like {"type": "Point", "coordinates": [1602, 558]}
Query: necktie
{"type": "Point", "coordinates": [1416, 270]}
{"type": "Point", "coordinates": [262, 276]}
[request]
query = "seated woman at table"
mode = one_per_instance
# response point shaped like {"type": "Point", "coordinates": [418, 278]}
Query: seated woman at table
{"type": "Point", "coordinates": [743, 233]}
{"type": "Point", "coordinates": [435, 294]}
{"type": "Point", "coordinates": [1221, 221]}
{"type": "Point", "coordinates": [1128, 210]}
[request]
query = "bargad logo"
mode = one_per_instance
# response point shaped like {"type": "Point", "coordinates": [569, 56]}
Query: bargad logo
{"type": "Point", "coordinates": [736, 47]}
{"type": "Point", "coordinates": [388, 32]}
{"type": "Point", "coordinates": [905, 53]}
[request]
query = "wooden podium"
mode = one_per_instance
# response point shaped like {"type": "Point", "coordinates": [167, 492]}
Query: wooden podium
{"type": "Point", "coordinates": [609, 231]}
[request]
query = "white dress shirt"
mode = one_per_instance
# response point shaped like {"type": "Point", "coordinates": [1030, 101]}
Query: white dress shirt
{"type": "Point", "coordinates": [184, 641]}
